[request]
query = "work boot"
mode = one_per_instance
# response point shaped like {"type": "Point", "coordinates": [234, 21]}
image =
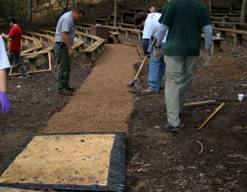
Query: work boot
{"type": "Point", "coordinates": [25, 76]}
{"type": "Point", "coordinates": [172, 129]}
{"type": "Point", "coordinates": [68, 88]}
{"type": "Point", "coordinates": [148, 91]}
{"type": "Point", "coordinates": [64, 92]}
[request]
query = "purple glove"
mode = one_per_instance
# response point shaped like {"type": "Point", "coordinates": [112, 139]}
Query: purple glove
{"type": "Point", "coordinates": [4, 100]}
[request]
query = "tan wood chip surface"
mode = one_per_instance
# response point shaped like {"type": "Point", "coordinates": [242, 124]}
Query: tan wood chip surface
{"type": "Point", "coordinates": [68, 159]}
{"type": "Point", "coordinates": [6, 189]}
{"type": "Point", "coordinates": [103, 102]}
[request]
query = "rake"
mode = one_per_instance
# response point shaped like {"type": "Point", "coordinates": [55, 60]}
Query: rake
{"type": "Point", "coordinates": [133, 82]}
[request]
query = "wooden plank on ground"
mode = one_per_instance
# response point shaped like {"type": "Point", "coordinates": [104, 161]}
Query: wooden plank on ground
{"type": "Point", "coordinates": [69, 161]}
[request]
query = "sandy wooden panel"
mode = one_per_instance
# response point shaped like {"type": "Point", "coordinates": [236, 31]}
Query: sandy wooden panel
{"type": "Point", "coordinates": [6, 189]}
{"type": "Point", "coordinates": [66, 159]}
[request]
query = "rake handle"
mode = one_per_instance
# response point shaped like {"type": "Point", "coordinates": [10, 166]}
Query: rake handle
{"type": "Point", "coordinates": [144, 61]}
{"type": "Point", "coordinates": [140, 68]}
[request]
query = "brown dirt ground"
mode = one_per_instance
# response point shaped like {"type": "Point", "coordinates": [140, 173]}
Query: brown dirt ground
{"type": "Point", "coordinates": [161, 162]}
{"type": "Point", "coordinates": [33, 102]}
{"type": "Point", "coordinates": [157, 161]}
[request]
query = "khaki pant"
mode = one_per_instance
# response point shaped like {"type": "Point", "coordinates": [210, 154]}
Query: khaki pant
{"type": "Point", "coordinates": [179, 74]}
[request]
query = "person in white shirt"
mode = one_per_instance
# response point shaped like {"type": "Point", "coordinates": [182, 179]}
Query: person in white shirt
{"type": "Point", "coordinates": [156, 62]}
{"type": "Point", "coordinates": [149, 22]}
{"type": "Point", "coordinates": [4, 64]}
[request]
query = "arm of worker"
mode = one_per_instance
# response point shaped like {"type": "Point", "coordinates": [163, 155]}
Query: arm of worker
{"type": "Point", "coordinates": [65, 36]}
{"type": "Point", "coordinates": [5, 36]}
{"type": "Point", "coordinates": [160, 34]}
{"type": "Point", "coordinates": [204, 58]}
{"type": "Point", "coordinates": [10, 34]}
{"type": "Point", "coordinates": [4, 100]}
{"type": "Point", "coordinates": [3, 80]}
{"type": "Point", "coordinates": [208, 36]}
{"type": "Point", "coordinates": [145, 45]}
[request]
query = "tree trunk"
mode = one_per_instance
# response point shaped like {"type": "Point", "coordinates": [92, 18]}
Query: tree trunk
{"type": "Point", "coordinates": [210, 6]}
{"type": "Point", "coordinates": [243, 11]}
{"type": "Point", "coordinates": [66, 6]}
{"type": "Point", "coordinates": [115, 13]}
{"type": "Point", "coordinates": [29, 11]}
{"type": "Point", "coordinates": [52, 10]}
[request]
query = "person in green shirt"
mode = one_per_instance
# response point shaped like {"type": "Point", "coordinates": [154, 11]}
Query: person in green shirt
{"type": "Point", "coordinates": [185, 20]}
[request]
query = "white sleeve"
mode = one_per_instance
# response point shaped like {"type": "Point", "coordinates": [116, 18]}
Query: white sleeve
{"type": "Point", "coordinates": [147, 33]}
{"type": "Point", "coordinates": [4, 60]}
{"type": "Point", "coordinates": [160, 35]}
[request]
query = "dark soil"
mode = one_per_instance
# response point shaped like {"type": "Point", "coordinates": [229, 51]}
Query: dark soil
{"type": "Point", "coordinates": [33, 101]}
{"type": "Point", "coordinates": [162, 162]}
{"type": "Point", "coordinates": [157, 161]}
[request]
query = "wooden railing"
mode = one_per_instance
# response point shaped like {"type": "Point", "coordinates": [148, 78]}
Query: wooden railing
{"type": "Point", "coordinates": [237, 34]}
{"type": "Point", "coordinates": [38, 57]}
{"type": "Point", "coordinates": [94, 46]}
{"type": "Point", "coordinates": [34, 42]}
{"type": "Point", "coordinates": [125, 33]}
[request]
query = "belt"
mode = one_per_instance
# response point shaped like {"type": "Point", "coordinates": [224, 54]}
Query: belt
{"type": "Point", "coordinates": [60, 44]}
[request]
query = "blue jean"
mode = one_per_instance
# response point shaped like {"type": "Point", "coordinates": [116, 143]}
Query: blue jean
{"type": "Point", "coordinates": [156, 72]}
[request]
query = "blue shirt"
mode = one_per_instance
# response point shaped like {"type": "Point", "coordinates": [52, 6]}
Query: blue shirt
{"type": "Point", "coordinates": [65, 24]}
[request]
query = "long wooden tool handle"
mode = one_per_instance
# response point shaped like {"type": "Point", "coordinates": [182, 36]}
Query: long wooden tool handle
{"type": "Point", "coordinates": [144, 60]}
{"type": "Point", "coordinates": [140, 68]}
{"type": "Point", "coordinates": [212, 115]}
{"type": "Point", "coordinates": [199, 103]}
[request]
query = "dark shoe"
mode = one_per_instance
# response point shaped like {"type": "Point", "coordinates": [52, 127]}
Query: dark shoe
{"type": "Point", "coordinates": [64, 92]}
{"type": "Point", "coordinates": [172, 129]}
{"type": "Point", "coordinates": [162, 88]}
{"type": "Point", "coordinates": [70, 88]}
{"type": "Point", "coordinates": [148, 91]}
{"type": "Point", "coordinates": [25, 76]}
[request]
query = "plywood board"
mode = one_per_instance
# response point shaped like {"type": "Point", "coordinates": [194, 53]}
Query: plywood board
{"type": "Point", "coordinates": [73, 160]}
{"type": "Point", "coordinates": [6, 189]}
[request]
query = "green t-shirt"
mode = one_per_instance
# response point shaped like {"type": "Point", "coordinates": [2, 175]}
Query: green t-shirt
{"type": "Point", "coordinates": [185, 19]}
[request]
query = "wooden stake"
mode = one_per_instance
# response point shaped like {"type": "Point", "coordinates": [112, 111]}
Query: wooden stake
{"type": "Point", "coordinates": [49, 59]}
{"type": "Point", "coordinates": [211, 116]}
{"type": "Point", "coordinates": [199, 103]}
{"type": "Point", "coordinates": [31, 72]}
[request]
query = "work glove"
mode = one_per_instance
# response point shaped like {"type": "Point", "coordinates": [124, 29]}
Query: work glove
{"type": "Point", "coordinates": [4, 101]}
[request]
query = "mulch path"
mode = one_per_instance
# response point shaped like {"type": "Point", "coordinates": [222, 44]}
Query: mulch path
{"type": "Point", "coordinates": [104, 102]}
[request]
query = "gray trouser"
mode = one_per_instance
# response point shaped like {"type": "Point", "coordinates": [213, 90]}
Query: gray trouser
{"type": "Point", "coordinates": [16, 61]}
{"type": "Point", "coordinates": [179, 74]}
{"type": "Point", "coordinates": [63, 65]}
